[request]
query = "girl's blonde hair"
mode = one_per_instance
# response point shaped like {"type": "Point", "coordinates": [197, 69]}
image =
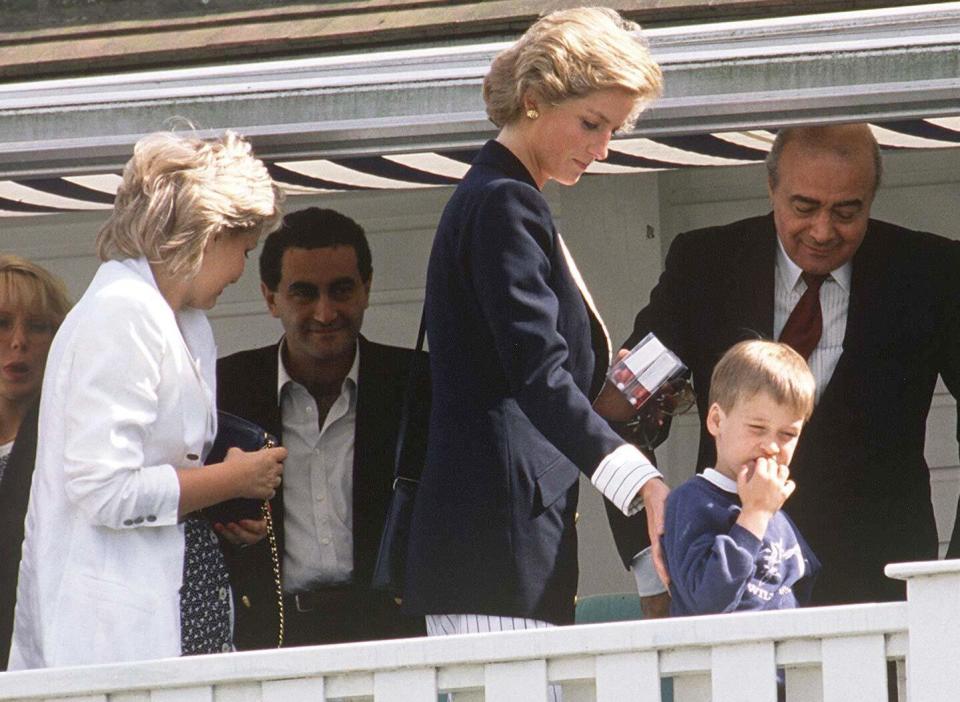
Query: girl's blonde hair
{"type": "Point", "coordinates": [568, 54]}
{"type": "Point", "coordinates": [179, 191]}
{"type": "Point", "coordinates": [32, 288]}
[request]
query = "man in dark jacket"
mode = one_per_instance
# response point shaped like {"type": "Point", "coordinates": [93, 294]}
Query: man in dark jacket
{"type": "Point", "coordinates": [334, 400]}
{"type": "Point", "coordinates": [887, 324]}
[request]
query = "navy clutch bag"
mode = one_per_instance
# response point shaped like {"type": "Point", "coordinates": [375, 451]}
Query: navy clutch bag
{"type": "Point", "coordinates": [234, 431]}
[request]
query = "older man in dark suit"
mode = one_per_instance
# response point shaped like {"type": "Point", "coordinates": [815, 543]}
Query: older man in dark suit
{"type": "Point", "coordinates": [334, 399]}
{"type": "Point", "coordinates": [881, 322]}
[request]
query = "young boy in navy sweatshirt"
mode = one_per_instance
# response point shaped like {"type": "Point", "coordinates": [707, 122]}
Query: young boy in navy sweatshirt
{"type": "Point", "coordinates": [728, 545]}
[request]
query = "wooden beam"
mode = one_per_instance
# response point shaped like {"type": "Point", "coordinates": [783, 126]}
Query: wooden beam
{"type": "Point", "coordinates": [41, 47]}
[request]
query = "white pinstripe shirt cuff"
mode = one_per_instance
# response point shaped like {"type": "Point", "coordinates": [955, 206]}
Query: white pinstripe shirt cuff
{"type": "Point", "coordinates": [621, 475]}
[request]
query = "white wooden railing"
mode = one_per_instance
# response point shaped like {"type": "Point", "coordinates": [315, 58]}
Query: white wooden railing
{"type": "Point", "coordinates": [828, 654]}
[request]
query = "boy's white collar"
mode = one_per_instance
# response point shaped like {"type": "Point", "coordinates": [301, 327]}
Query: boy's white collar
{"type": "Point", "coordinates": [712, 475]}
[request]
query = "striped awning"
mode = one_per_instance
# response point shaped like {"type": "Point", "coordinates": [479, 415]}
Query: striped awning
{"type": "Point", "coordinates": [35, 196]}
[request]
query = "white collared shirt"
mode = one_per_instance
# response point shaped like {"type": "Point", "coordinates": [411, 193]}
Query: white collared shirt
{"type": "Point", "coordinates": [5, 450]}
{"type": "Point", "coordinates": [317, 483]}
{"type": "Point", "coordinates": [834, 302]}
{"type": "Point", "coordinates": [712, 475]}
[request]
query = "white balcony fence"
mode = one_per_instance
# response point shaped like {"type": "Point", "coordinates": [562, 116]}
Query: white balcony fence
{"type": "Point", "coordinates": [828, 654]}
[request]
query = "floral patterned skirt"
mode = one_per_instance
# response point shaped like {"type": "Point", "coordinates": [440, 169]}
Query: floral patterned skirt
{"type": "Point", "coordinates": [205, 601]}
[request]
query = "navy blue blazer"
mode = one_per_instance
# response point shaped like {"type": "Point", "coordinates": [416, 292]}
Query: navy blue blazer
{"type": "Point", "coordinates": [512, 362]}
{"type": "Point", "coordinates": [863, 487]}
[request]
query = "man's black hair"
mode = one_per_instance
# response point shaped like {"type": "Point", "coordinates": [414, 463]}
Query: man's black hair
{"type": "Point", "coordinates": [313, 228]}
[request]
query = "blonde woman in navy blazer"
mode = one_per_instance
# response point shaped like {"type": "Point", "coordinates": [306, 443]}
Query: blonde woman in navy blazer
{"type": "Point", "coordinates": [512, 356]}
{"type": "Point", "coordinates": [127, 411]}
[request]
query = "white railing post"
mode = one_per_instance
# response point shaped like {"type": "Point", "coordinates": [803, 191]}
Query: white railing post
{"type": "Point", "coordinates": [404, 685]}
{"type": "Point", "coordinates": [628, 676]}
{"type": "Point", "coordinates": [744, 671]}
{"type": "Point", "coordinates": [933, 627]}
{"type": "Point", "coordinates": [518, 681]}
{"type": "Point", "coordinates": [854, 668]}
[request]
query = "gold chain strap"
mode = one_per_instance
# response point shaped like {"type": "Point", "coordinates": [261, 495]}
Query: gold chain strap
{"type": "Point", "coordinates": [275, 559]}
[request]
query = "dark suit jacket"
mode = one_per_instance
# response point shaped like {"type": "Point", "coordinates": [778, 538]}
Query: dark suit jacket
{"type": "Point", "coordinates": [14, 497]}
{"type": "Point", "coordinates": [863, 488]}
{"type": "Point", "coordinates": [247, 386]}
{"type": "Point", "coordinates": [512, 362]}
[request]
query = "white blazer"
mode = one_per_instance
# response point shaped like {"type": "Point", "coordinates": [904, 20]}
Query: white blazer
{"type": "Point", "coordinates": [128, 395]}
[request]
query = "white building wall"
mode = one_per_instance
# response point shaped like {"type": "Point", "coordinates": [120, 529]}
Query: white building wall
{"type": "Point", "coordinates": [618, 228]}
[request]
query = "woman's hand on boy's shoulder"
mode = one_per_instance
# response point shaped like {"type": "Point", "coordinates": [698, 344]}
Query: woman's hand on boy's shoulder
{"type": "Point", "coordinates": [654, 493]}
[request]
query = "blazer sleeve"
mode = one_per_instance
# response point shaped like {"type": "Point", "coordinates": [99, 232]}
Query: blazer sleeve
{"type": "Point", "coordinates": [510, 266]}
{"type": "Point", "coordinates": [109, 404]}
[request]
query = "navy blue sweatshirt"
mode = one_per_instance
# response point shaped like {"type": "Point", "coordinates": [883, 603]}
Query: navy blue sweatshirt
{"type": "Point", "coordinates": [717, 566]}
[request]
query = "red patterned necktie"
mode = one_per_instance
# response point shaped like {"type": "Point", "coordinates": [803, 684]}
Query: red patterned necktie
{"type": "Point", "coordinates": [805, 325]}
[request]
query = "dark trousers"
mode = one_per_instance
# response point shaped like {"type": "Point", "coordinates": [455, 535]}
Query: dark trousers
{"type": "Point", "coordinates": [345, 613]}
{"type": "Point", "coordinates": [324, 616]}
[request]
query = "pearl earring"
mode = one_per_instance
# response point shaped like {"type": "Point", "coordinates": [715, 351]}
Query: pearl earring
{"type": "Point", "coordinates": [532, 113]}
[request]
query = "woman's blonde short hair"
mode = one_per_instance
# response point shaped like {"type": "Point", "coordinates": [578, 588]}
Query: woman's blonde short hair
{"type": "Point", "coordinates": [753, 367]}
{"type": "Point", "coordinates": [25, 285]}
{"type": "Point", "coordinates": [178, 191]}
{"type": "Point", "coordinates": [569, 54]}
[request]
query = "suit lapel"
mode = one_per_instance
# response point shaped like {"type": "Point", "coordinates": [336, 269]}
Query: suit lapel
{"type": "Point", "coordinates": [866, 283]}
{"type": "Point", "coordinates": [374, 443]}
{"type": "Point", "coordinates": [264, 401]}
{"type": "Point", "coordinates": [265, 410]}
{"type": "Point", "coordinates": [595, 319]}
{"type": "Point", "coordinates": [749, 286]}
{"type": "Point", "coordinates": [599, 336]}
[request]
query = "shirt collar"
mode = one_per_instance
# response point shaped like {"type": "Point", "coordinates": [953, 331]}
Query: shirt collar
{"type": "Point", "coordinates": [283, 377]}
{"type": "Point", "coordinates": [790, 272]}
{"type": "Point", "coordinates": [712, 475]}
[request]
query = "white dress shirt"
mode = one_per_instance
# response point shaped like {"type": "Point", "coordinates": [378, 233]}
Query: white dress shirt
{"type": "Point", "coordinates": [317, 483]}
{"type": "Point", "coordinates": [834, 302]}
{"type": "Point", "coordinates": [5, 450]}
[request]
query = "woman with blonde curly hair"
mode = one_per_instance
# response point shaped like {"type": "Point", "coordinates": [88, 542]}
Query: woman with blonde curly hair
{"type": "Point", "coordinates": [115, 567]}
{"type": "Point", "coordinates": [512, 357]}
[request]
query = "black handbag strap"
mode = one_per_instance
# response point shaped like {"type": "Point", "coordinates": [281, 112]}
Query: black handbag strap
{"type": "Point", "coordinates": [404, 468]}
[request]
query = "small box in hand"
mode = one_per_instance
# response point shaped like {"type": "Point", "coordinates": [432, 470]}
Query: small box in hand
{"type": "Point", "coordinates": [645, 370]}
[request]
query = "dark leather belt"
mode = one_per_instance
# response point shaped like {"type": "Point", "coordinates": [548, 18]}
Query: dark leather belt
{"type": "Point", "coordinates": [319, 600]}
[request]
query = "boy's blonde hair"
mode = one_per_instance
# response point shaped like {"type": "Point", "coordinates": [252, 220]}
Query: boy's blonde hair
{"type": "Point", "coordinates": [32, 288]}
{"type": "Point", "coordinates": [756, 366]}
{"type": "Point", "coordinates": [569, 54]}
{"type": "Point", "coordinates": [179, 191]}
